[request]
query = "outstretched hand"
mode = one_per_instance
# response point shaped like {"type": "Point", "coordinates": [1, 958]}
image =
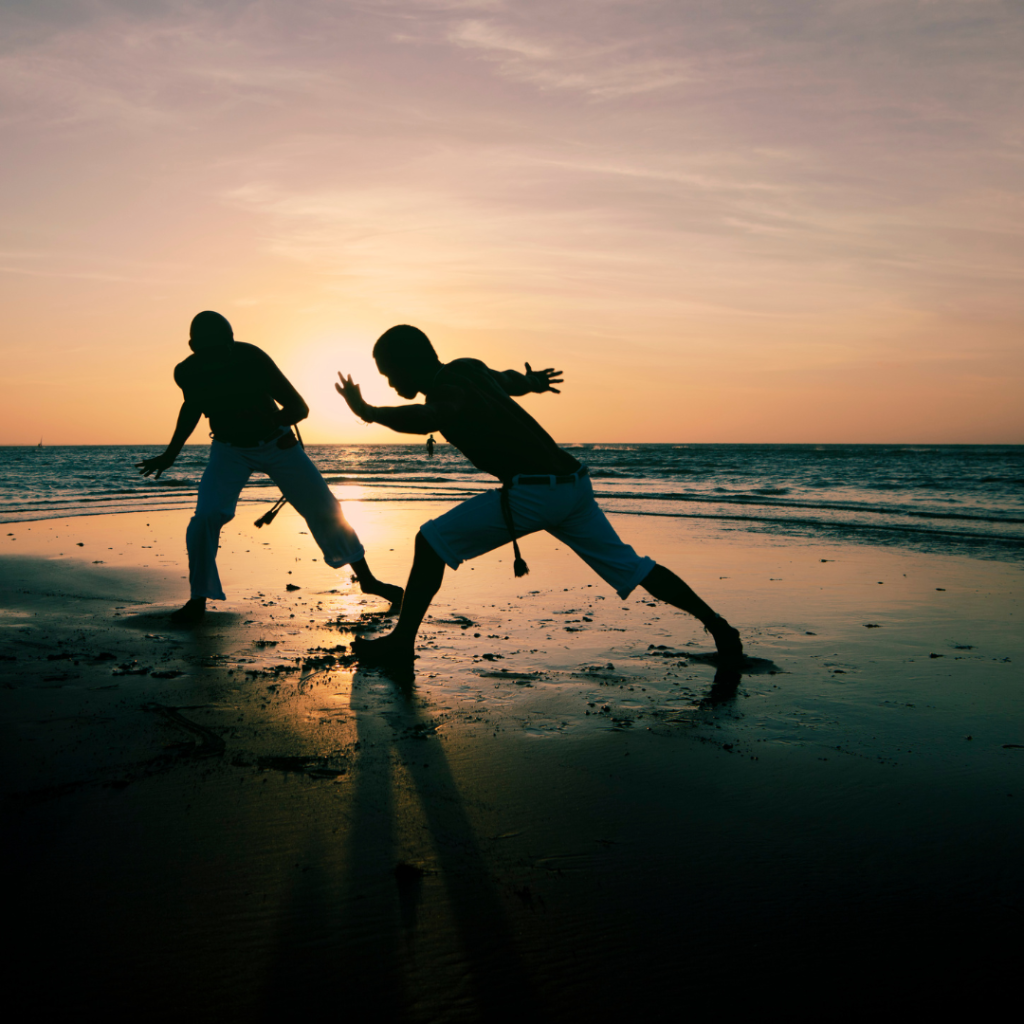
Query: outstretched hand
{"type": "Point", "coordinates": [157, 464]}
{"type": "Point", "coordinates": [541, 380]}
{"type": "Point", "coordinates": [349, 390]}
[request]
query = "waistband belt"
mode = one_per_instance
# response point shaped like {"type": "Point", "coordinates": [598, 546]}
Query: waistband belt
{"type": "Point", "coordinates": [273, 436]}
{"type": "Point", "coordinates": [550, 480]}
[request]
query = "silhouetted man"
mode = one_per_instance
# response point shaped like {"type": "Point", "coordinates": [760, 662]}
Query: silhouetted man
{"type": "Point", "coordinates": [543, 488]}
{"type": "Point", "coordinates": [251, 407]}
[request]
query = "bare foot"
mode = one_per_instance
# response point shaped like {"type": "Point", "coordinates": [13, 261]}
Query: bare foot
{"type": "Point", "coordinates": [383, 648]}
{"type": "Point", "coordinates": [190, 613]}
{"type": "Point", "coordinates": [727, 640]}
{"type": "Point", "coordinates": [389, 592]}
{"type": "Point", "coordinates": [394, 657]}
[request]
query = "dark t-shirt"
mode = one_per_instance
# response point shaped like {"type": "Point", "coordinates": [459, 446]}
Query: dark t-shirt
{"type": "Point", "coordinates": [489, 428]}
{"type": "Point", "coordinates": [236, 388]}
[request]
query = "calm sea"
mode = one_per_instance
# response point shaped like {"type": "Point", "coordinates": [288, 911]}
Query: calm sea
{"type": "Point", "coordinates": [950, 498]}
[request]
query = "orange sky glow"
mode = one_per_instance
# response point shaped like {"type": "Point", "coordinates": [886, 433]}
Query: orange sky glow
{"type": "Point", "coordinates": [739, 222]}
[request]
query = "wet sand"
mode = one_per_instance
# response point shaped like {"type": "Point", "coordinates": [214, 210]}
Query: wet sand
{"type": "Point", "coordinates": [564, 817]}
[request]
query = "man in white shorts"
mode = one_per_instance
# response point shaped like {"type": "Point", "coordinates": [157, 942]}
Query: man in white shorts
{"type": "Point", "coordinates": [238, 387]}
{"type": "Point", "coordinates": [543, 488]}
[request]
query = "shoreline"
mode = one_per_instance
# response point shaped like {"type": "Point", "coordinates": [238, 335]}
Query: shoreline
{"type": "Point", "coordinates": [943, 499]}
{"type": "Point", "coordinates": [243, 809]}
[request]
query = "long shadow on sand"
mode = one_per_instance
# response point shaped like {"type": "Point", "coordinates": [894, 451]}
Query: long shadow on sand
{"type": "Point", "coordinates": [353, 937]}
{"type": "Point", "coordinates": [353, 940]}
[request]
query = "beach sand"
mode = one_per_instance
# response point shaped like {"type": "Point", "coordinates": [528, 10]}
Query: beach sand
{"type": "Point", "coordinates": [563, 819]}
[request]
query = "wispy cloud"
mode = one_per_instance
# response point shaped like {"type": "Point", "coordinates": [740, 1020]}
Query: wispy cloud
{"type": "Point", "coordinates": [80, 275]}
{"type": "Point", "coordinates": [602, 72]}
{"type": "Point", "coordinates": [132, 72]}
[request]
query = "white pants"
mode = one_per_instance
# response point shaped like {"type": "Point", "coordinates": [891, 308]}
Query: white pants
{"type": "Point", "coordinates": [300, 481]}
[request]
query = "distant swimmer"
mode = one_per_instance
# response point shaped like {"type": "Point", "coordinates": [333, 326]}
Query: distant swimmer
{"type": "Point", "coordinates": [543, 488]}
{"type": "Point", "coordinates": [430, 445]}
{"type": "Point", "coordinates": [251, 407]}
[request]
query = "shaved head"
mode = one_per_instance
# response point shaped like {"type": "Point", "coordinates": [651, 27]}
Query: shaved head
{"type": "Point", "coordinates": [405, 356]}
{"type": "Point", "coordinates": [209, 330]}
{"type": "Point", "coordinates": [404, 345]}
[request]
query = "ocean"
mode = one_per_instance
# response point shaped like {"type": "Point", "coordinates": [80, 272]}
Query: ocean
{"type": "Point", "coordinates": [941, 498]}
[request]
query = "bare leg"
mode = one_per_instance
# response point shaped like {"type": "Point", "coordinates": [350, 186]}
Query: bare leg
{"type": "Point", "coordinates": [666, 586]}
{"type": "Point", "coordinates": [424, 582]}
{"type": "Point", "coordinates": [369, 584]}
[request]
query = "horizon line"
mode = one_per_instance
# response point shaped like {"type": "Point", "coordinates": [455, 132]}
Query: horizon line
{"type": "Point", "coordinates": [683, 444]}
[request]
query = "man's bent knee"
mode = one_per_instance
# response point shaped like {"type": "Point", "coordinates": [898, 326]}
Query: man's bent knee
{"type": "Point", "coordinates": [424, 550]}
{"type": "Point", "coordinates": [210, 519]}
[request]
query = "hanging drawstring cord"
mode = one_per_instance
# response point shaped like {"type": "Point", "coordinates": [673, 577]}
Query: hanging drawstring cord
{"type": "Point", "coordinates": [268, 517]}
{"type": "Point", "coordinates": [519, 566]}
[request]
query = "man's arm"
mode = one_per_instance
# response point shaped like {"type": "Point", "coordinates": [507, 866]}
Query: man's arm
{"type": "Point", "coordinates": [538, 381]}
{"type": "Point", "coordinates": [293, 408]}
{"type": "Point", "coordinates": [406, 419]}
{"type": "Point", "coordinates": [188, 420]}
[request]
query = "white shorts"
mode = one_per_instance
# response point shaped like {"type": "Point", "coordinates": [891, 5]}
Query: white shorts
{"type": "Point", "coordinates": [567, 511]}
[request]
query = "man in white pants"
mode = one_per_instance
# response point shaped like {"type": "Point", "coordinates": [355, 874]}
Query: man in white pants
{"type": "Point", "coordinates": [239, 388]}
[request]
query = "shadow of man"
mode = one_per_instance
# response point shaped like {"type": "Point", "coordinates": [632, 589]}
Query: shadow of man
{"type": "Point", "coordinates": [382, 935]}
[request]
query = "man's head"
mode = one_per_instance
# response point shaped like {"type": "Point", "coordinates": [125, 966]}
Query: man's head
{"type": "Point", "coordinates": [209, 330]}
{"type": "Point", "coordinates": [405, 356]}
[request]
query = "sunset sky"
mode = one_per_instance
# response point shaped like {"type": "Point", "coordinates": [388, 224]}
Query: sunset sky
{"type": "Point", "coordinates": [795, 220]}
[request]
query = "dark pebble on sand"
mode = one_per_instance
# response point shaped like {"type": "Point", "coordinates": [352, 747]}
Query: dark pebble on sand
{"type": "Point", "coordinates": [131, 668]}
{"type": "Point", "coordinates": [292, 586]}
{"type": "Point", "coordinates": [324, 661]}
